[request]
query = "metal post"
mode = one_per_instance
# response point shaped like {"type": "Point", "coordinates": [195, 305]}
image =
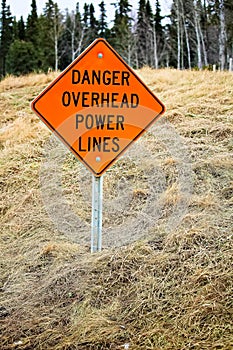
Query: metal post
{"type": "Point", "coordinates": [96, 225]}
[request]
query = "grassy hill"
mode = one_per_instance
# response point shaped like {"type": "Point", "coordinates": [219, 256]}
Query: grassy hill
{"type": "Point", "coordinates": [162, 288]}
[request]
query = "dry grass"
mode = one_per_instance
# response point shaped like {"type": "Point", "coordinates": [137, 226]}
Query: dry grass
{"type": "Point", "coordinates": [168, 291]}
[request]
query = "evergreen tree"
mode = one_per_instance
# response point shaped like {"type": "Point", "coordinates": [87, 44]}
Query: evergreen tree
{"type": "Point", "coordinates": [46, 38]}
{"type": "Point", "coordinates": [32, 31]}
{"type": "Point", "coordinates": [86, 15]}
{"type": "Point", "coordinates": [85, 26]}
{"type": "Point", "coordinates": [6, 35]}
{"type": "Point", "coordinates": [172, 37]}
{"type": "Point", "coordinates": [121, 35]}
{"type": "Point", "coordinates": [51, 27]}
{"type": "Point", "coordinates": [93, 25]}
{"type": "Point", "coordinates": [21, 29]}
{"type": "Point", "coordinates": [103, 26]}
{"type": "Point", "coordinates": [21, 58]}
{"type": "Point", "coordinates": [15, 32]}
{"type": "Point", "coordinates": [142, 33]}
{"type": "Point", "coordinates": [159, 34]}
{"type": "Point", "coordinates": [158, 19]}
{"type": "Point", "coordinates": [229, 27]}
{"type": "Point", "coordinates": [149, 14]}
{"type": "Point", "coordinates": [32, 34]}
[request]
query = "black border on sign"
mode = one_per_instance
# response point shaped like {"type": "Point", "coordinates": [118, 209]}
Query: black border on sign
{"type": "Point", "coordinates": [33, 104]}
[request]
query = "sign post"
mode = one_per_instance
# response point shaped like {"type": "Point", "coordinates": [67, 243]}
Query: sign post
{"type": "Point", "coordinates": [96, 224]}
{"type": "Point", "coordinates": [98, 107]}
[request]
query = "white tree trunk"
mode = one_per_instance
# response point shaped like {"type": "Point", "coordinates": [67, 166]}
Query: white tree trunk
{"type": "Point", "coordinates": [57, 29]}
{"type": "Point", "coordinates": [203, 45]}
{"type": "Point", "coordinates": [178, 34]}
{"type": "Point", "coordinates": [196, 19]}
{"type": "Point", "coordinates": [222, 35]}
{"type": "Point", "coordinates": [167, 60]}
{"type": "Point", "coordinates": [73, 36]}
{"type": "Point", "coordinates": [56, 52]}
{"type": "Point", "coordinates": [72, 45]}
{"type": "Point", "coordinates": [155, 48]}
{"type": "Point", "coordinates": [230, 65]}
{"type": "Point", "coordinates": [187, 44]}
{"type": "Point", "coordinates": [78, 50]}
{"type": "Point", "coordinates": [181, 44]}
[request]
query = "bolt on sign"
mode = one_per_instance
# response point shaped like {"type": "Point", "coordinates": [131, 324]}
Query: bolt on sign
{"type": "Point", "coordinates": [98, 107]}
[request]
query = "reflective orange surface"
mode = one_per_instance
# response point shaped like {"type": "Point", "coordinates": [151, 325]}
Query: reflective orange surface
{"type": "Point", "coordinates": [98, 106]}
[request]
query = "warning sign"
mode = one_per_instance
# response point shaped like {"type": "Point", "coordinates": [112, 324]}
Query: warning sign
{"type": "Point", "coordinates": [98, 106]}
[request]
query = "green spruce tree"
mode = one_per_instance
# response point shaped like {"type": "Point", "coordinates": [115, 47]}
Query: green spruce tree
{"type": "Point", "coordinates": [159, 36]}
{"type": "Point", "coordinates": [102, 24]}
{"type": "Point", "coordinates": [6, 35]}
{"type": "Point", "coordinates": [15, 32]}
{"type": "Point", "coordinates": [121, 34]}
{"type": "Point", "coordinates": [229, 28]}
{"type": "Point", "coordinates": [141, 34]}
{"type": "Point", "coordinates": [21, 58]}
{"type": "Point", "coordinates": [33, 35]}
{"type": "Point", "coordinates": [93, 25]}
{"type": "Point", "coordinates": [32, 30]}
{"type": "Point", "coordinates": [86, 15]}
{"type": "Point", "coordinates": [51, 28]}
{"type": "Point", "coordinates": [21, 29]}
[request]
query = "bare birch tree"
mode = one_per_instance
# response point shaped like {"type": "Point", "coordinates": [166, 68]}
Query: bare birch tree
{"type": "Point", "coordinates": [155, 51]}
{"type": "Point", "coordinates": [58, 28]}
{"type": "Point", "coordinates": [178, 34]}
{"type": "Point", "coordinates": [222, 34]}
{"type": "Point", "coordinates": [187, 42]}
{"type": "Point", "coordinates": [197, 26]}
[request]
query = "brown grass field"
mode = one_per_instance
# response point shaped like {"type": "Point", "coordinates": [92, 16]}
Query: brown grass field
{"type": "Point", "coordinates": [149, 288]}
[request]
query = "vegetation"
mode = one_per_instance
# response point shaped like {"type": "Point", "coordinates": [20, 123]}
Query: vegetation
{"type": "Point", "coordinates": [171, 289]}
{"type": "Point", "coordinates": [195, 34]}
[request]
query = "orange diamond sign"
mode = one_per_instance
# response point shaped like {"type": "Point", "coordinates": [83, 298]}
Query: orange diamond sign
{"type": "Point", "coordinates": [98, 106]}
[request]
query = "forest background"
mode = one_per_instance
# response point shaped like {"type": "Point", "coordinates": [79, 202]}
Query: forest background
{"type": "Point", "coordinates": [196, 34]}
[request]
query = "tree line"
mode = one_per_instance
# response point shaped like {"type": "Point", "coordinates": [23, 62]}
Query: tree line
{"type": "Point", "coordinates": [196, 34]}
